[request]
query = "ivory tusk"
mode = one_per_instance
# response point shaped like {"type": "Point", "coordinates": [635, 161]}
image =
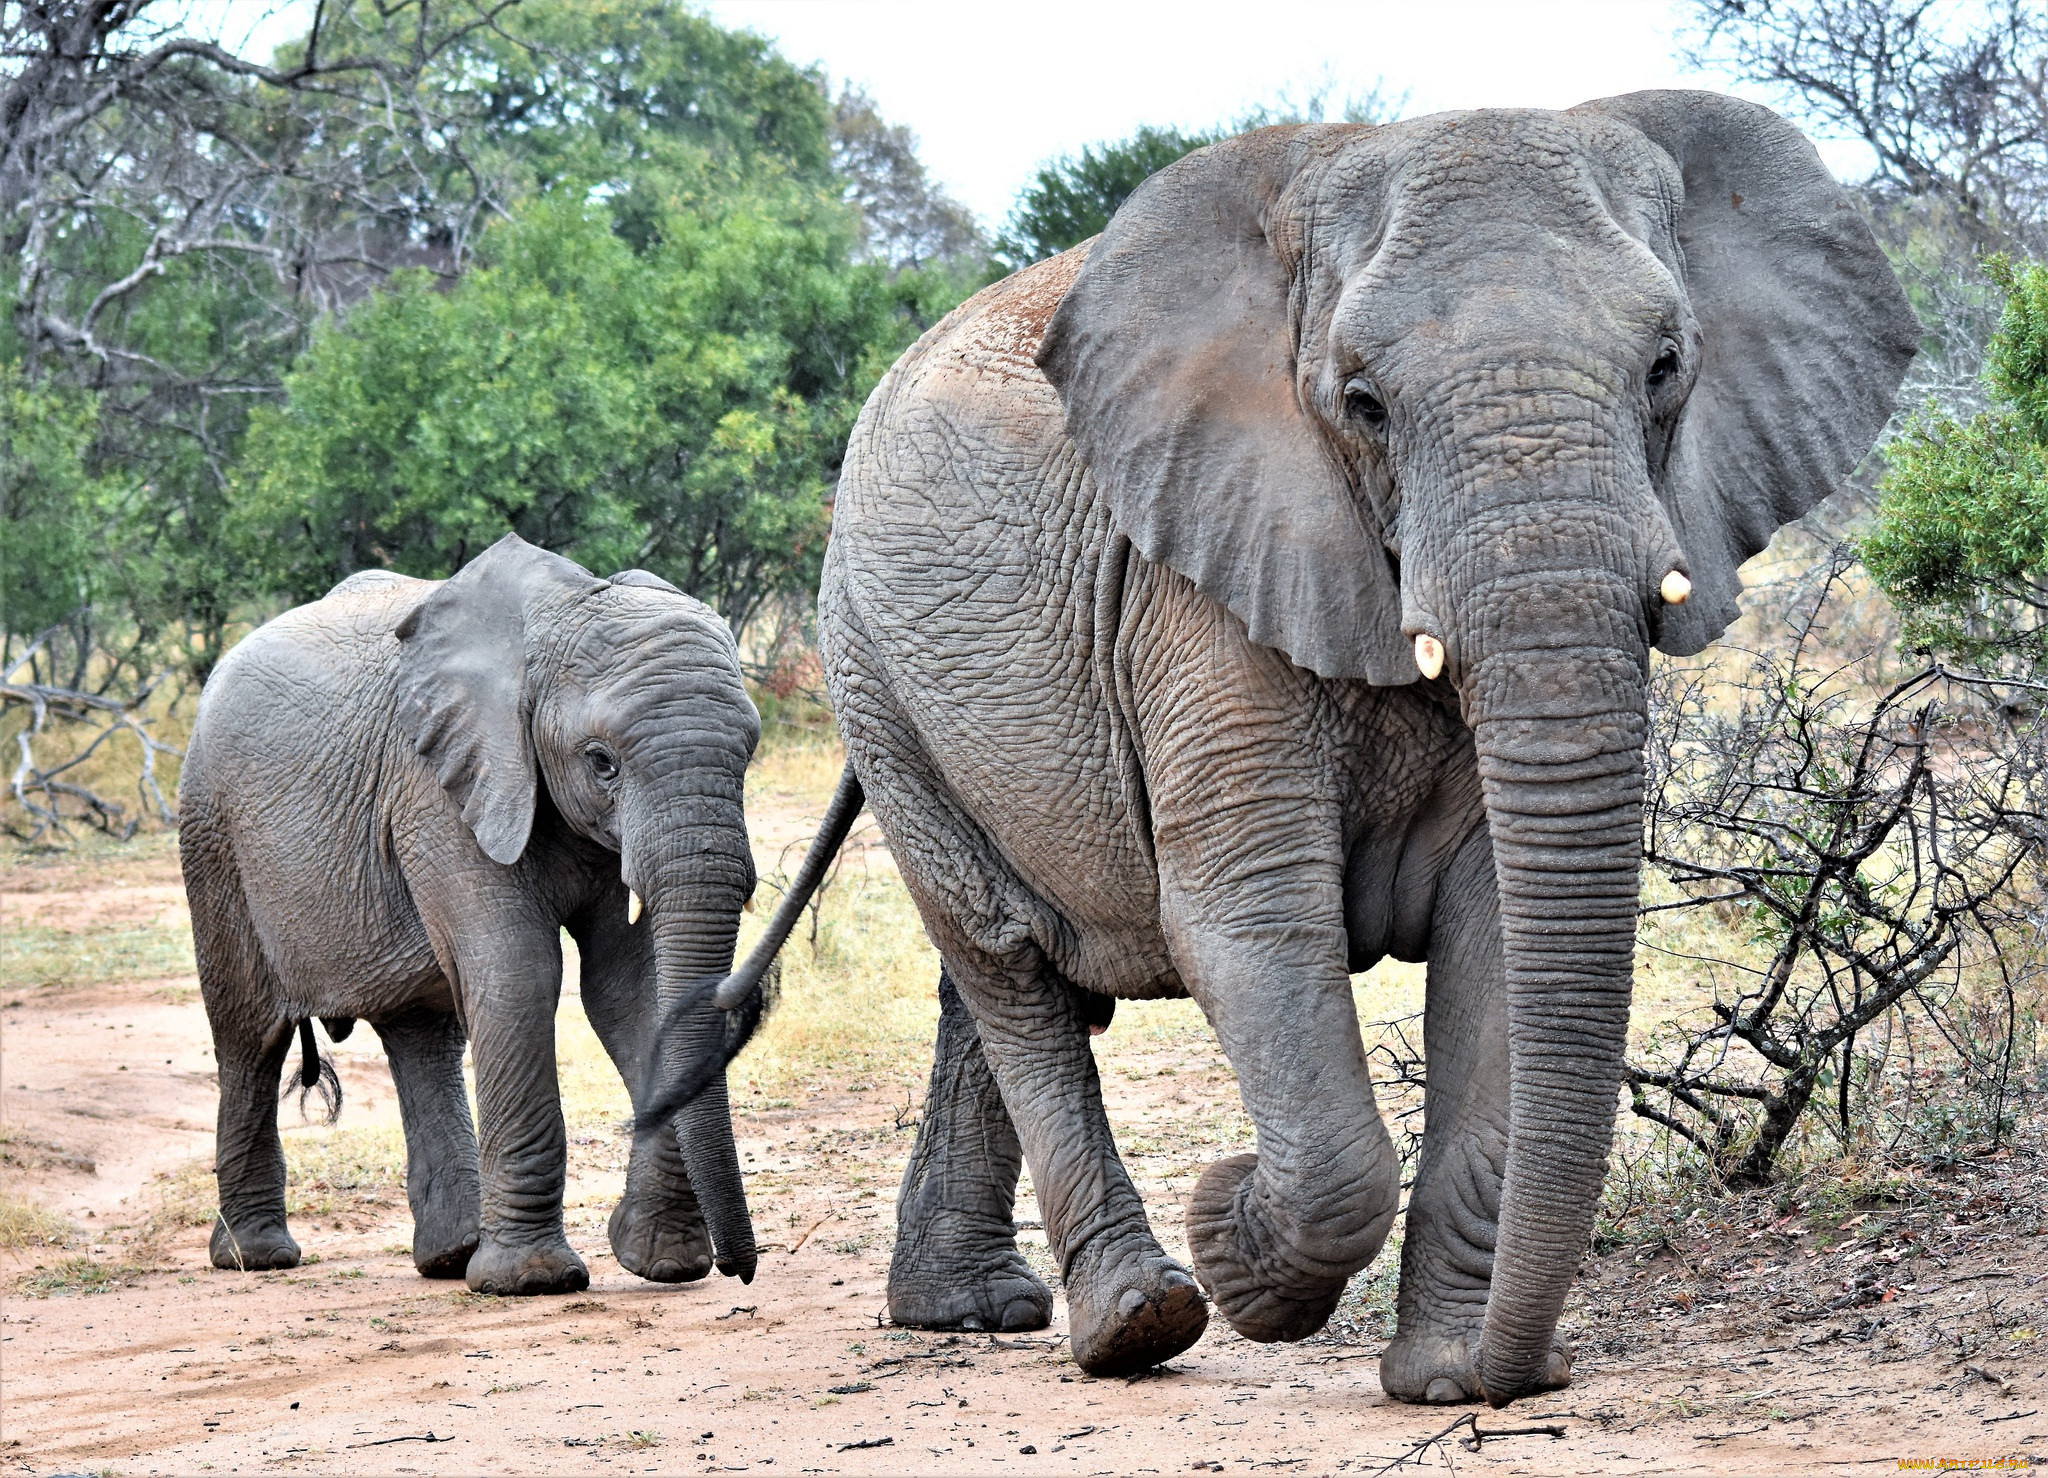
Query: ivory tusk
{"type": "Point", "coordinates": [1675, 589]}
{"type": "Point", "coordinates": [632, 907]}
{"type": "Point", "coordinates": [1429, 655]}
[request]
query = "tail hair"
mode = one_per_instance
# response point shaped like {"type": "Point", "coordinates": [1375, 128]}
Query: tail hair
{"type": "Point", "coordinates": [316, 1074]}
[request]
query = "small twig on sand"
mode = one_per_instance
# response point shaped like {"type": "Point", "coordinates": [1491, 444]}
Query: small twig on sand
{"type": "Point", "coordinates": [1480, 1434]}
{"type": "Point", "coordinates": [387, 1441]}
{"type": "Point", "coordinates": [1471, 1443]}
{"type": "Point", "coordinates": [871, 1442]}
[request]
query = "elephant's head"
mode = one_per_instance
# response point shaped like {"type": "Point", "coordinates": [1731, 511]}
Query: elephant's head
{"type": "Point", "coordinates": [1507, 396]}
{"type": "Point", "coordinates": [621, 701]}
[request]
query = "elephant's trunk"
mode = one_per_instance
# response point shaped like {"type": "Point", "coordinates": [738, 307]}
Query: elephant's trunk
{"type": "Point", "coordinates": [1559, 731]}
{"type": "Point", "coordinates": [697, 886]}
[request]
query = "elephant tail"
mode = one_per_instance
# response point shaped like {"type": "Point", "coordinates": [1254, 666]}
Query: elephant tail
{"type": "Point", "coordinates": [316, 1075]}
{"type": "Point", "coordinates": [746, 995]}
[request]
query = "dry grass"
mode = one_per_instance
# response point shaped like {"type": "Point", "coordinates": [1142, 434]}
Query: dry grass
{"type": "Point", "coordinates": [25, 1223]}
{"type": "Point", "coordinates": [76, 1275]}
{"type": "Point", "coordinates": [46, 959]}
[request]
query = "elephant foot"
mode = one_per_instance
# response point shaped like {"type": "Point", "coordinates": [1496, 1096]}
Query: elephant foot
{"type": "Point", "coordinates": [980, 1283]}
{"type": "Point", "coordinates": [1247, 1293]}
{"type": "Point", "coordinates": [663, 1245]}
{"type": "Point", "coordinates": [1434, 1369]}
{"type": "Point", "coordinates": [252, 1247]}
{"type": "Point", "coordinates": [444, 1256]}
{"type": "Point", "coordinates": [1131, 1313]}
{"type": "Point", "coordinates": [526, 1267]}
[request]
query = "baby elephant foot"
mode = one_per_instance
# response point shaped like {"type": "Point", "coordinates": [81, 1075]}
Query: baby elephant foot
{"type": "Point", "coordinates": [937, 1282]}
{"type": "Point", "coordinates": [1132, 1313]}
{"type": "Point", "coordinates": [526, 1267]}
{"type": "Point", "coordinates": [1443, 1369]}
{"type": "Point", "coordinates": [661, 1244]}
{"type": "Point", "coordinates": [1248, 1294]}
{"type": "Point", "coordinates": [253, 1247]}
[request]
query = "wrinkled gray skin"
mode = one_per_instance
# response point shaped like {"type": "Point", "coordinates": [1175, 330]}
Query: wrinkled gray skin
{"type": "Point", "coordinates": [1119, 616]}
{"type": "Point", "coordinates": [395, 799]}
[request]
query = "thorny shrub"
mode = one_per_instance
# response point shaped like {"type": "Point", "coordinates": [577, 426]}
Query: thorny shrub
{"type": "Point", "coordinates": [1851, 866]}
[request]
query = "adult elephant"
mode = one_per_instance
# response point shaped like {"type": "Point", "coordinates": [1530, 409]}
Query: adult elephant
{"type": "Point", "coordinates": [394, 801]}
{"type": "Point", "coordinates": [1268, 588]}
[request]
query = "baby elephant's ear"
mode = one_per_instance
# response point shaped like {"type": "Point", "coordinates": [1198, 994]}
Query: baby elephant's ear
{"type": "Point", "coordinates": [1174, 354]}
{"type": "Point", "coordinates": [644, 580]}
{"type": "Point", "coordinates": [462, 685]}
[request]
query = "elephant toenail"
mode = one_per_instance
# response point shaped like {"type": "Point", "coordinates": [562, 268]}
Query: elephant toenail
{"type": "Point", "coordinates": [1557, 1370]}
{"type": "Point", "coordinates": [1131, 1304]}
{"type": "Point", "coordinates": [1443, 1391]}
{"type": "Point", "coordinates": [972, 1323]}
{"type": "Point", "coordinates": [1022, 1313]}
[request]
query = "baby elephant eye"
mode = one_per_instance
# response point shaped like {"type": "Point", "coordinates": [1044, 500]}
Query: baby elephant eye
{"type": "Point", "coordinates": [1362, 402]}
{"type": "Point", "coordinates": [603, 763]}
{"type": "Point", "coordinates": [1664, 366]}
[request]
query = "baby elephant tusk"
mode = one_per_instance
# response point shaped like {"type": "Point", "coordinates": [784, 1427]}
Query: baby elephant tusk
{"type": "Point", "coordinates": [1675, 589]}
{"type": "Point", "coordinates": [632, 907]}
{"type": "Point", "coordinates": [1429, 655]}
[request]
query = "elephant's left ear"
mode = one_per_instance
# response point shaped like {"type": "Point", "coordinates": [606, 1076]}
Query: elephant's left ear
{"type": "Point", "coordinates": [463, 691]}
{"type": "Point", "coordinates": [1174, 354]}
{"type": "Point", "coordinates": [1804, 333]}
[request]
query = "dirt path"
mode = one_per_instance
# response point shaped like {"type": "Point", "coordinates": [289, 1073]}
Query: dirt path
{"type": "Point", "coordinates": [1747, 1345]}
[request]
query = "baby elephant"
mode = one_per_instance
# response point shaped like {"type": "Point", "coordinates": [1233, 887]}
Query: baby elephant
{"type": "Point", "coordinates": [394, 801]}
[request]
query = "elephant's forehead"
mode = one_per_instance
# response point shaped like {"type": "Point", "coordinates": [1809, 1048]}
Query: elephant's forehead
{"type": "Point", "coordinates": [1440, 183]}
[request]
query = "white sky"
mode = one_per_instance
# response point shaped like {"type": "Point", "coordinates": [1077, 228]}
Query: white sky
{"type": "Point", "coordinates": [993, 90]}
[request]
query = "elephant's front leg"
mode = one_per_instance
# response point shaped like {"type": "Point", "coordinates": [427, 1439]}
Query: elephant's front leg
{"type": "Point", "coordinates": [502, 952]}
{"type": "Point", "coordinates": [1454, 1209]}
{"type": "Point", "coordinates": [657, 1230]}
{"type": "Point", "coordinates": [956, 1264]}
{"type": "Point", "coordinates": [1277, 1235]}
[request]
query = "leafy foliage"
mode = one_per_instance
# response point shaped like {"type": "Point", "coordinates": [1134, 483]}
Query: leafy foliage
{"type": "Point", "coordinates": [263, 331]}
{"type": "Point", "coordinates": [1072, 199]}
{"type": "Point", "coordinates": [681, 408]}
{"type": "Point", "coordinates": [1961, 540]}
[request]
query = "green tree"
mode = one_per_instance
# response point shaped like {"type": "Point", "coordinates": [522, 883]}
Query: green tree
{"type": "Point", "coordinates": [1961, 539]}
{"type": "Point", "coordinates": [1072, 198]}
{"type": "Point", "coordinates": [681, 407]}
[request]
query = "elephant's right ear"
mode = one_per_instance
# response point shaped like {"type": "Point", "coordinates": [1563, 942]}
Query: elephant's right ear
{"type": "Point", "coordinates": [462, 685]}
{"type": "Point", "coordinates": [1174, 356]}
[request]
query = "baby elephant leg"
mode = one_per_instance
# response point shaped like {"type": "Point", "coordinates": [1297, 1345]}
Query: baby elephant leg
{"type": "Point", "coordinates": [956, 1264]}
{"type": "Point", "coordinates": [249, 1232]}
{"type": "Point", "coordinates": [251, 1036]}
{"type": "Point", "coordinates": [425, 1048]}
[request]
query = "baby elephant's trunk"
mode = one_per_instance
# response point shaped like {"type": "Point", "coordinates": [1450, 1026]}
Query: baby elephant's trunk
{"type": "Point", "coordinates": [745, 996]}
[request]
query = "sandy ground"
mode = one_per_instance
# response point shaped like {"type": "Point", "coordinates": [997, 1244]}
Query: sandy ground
{"type": "Point", "coordinates": [1741, 1344]}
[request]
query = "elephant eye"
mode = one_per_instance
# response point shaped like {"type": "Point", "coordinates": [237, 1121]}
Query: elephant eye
{"type": "Point", "coordinates": [1362, 402]}
{"type": "Point", "coordinates": [1664, 366]}
{"type": "Point", "coordinates": [603, 763]}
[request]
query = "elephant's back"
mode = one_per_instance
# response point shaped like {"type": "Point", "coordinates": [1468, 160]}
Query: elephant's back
{"type": "Point", "coordinates": [309, 681]}
{"type": "Point", "coordinates": [969, 550]}
{"type": "Point", "coordinates": [294, 767]}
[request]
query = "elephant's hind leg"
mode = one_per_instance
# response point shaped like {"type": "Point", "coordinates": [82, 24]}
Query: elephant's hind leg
{"type": "Point", "coordinates": [425, 1048]}
{"type": "Point", "coordinates": [1129, 1305]}
{"type": "Point", "coordinates": [251, 1036]}
{"type": "Point", "coordinates": [956, 1263]}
